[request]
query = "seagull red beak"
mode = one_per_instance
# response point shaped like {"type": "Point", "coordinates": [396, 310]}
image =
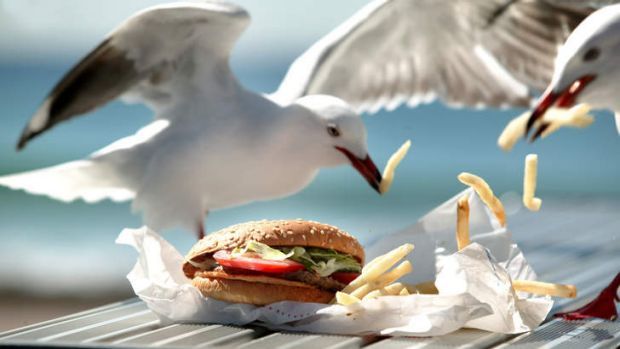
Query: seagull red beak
{"type": "Point", "coordinates": [563, 99]}
{"type": "Point", "coordinates": [365, 167]}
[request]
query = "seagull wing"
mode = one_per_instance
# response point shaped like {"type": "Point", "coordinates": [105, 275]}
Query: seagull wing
{"type": "Point", "coordinates": [582, 3]}
{"type": "Point", "coordinates": [466, 53]}
{"type": "Point", "coordinates": [154, 57]}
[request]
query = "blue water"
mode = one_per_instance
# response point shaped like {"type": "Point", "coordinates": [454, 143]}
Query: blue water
{"type": "Point", "coordinates": [66, 244]}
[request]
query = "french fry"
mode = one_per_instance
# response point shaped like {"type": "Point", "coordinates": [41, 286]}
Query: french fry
{"type": "Point", "coordinates": [485, 193]}
{"type": "Point", "coordinates": [513, 131]}
{"type": "Point", "coordinates": [545, 288]}
{"type": "Point", "coordinates": [372, 262]}
{"type": "Point", "coordinates": [375, 294]}
{"type": "Point", "coordinates": [345, 299]}
{"type": "Point", "coordinates": [462, 223]}
{"type": "Point", "coordinates": [529, 183]}
{"type": "Point", "coordinates": [555, 118]}
{"type": "Point", "coordinates": [576, 116]}
{"type": "Point", "coordinates": [394, 289]}
{"type": "Point", "coordinates": [390, 167]}
{"type": "Point", "coordinates": [391, 290]}
{"type": "Point", "coordinates": [383, 280]}
{"type": "Point", "coordinates": [379, 266]}
{"type": "Point", "coordinates": [402, 269]}
{"type": "Point", "coordinates": [427, 287]}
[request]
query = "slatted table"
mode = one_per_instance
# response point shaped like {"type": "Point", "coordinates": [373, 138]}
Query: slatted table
{"type": "Point", "coordinates": [574, 240]}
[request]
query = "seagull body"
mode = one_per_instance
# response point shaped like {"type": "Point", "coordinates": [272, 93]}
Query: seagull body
{"type": "Point", "coordinates": [214, 144]}
{"type": "Point", "coordinates": [586, 68]}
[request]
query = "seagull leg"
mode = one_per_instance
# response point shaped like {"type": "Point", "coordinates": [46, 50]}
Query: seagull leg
{"type": "Point", "coordinates": [201, 227]}
{"type": "Point", "coordinates": [201, 230]}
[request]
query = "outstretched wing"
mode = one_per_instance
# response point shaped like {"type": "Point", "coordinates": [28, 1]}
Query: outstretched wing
{"type": "Point", "coordinates": [466, 53]}
{"type": "Point", "coordinates": [154, 57]}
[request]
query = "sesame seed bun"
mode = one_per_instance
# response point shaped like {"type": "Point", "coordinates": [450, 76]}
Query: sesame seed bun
{"type": "Point", "coordinates": [276, 233]}
{"type": "Point", "coordinates": [261, 289]}
{"type": "Point", "coordinates": [257, 290]}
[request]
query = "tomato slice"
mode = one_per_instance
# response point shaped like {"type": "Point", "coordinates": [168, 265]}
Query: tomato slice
{"type": "Point", "coordinates": [224, 258]}
{"type": "Point", "coordinates": [344, 277]}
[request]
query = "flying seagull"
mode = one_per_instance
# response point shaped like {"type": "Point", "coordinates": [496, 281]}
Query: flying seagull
{"type": "Point", "coordinates": [214, 144]}
{"type": "Point", "coordinates": [586, 68]}
{"type": "Point", "coordinates": [492, 53]}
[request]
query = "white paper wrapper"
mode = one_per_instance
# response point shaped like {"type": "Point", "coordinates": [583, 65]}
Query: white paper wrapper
{"type": "Point", "coordinates": [474, 285]}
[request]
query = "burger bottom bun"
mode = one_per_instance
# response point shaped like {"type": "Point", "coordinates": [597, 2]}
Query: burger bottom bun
{"type": "Point", "coordinates": [258, 293]}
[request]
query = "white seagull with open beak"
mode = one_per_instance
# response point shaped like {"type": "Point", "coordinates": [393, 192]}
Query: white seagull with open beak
{"type": "Point", "coordinates": [586, 69]}
{"type": "Point", "coordinates": [214, 144]}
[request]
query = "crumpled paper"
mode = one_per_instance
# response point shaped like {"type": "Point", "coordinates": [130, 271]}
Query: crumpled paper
{"type": "Point", "coordinates": [474, 285]}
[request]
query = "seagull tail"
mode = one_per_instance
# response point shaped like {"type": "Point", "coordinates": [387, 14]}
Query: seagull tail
{"type": "Point", "coordinates": [88, 180]}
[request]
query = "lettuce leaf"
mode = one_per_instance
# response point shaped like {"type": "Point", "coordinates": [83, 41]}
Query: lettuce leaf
{"type": "Point", "coordinates": [324, 261]}
{"type": "Point", "coordinates": [264, 251]}
{"type": "Point", "coordinates": [319, 260]}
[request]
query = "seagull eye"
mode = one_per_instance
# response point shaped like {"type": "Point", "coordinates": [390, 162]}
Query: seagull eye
{"type": "Point", "coordinates": [591, 54]}
{"type": "Point", "coordinates": [333, 131]}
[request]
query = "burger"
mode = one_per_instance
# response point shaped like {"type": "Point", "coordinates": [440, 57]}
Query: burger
{"type": "Point", "coordinates": [271, 261]}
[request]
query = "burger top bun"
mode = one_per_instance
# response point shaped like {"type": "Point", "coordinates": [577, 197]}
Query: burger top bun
{"type": "Point", "coordinates": [278, 233]}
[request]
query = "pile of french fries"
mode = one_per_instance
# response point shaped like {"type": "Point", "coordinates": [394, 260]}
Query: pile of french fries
{"type": "Point", "coordinates": [376, 278]}
{"type": "Point", "coordinates": [379, 277]}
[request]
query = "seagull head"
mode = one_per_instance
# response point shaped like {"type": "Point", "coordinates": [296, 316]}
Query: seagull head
{"type": "Point", "coordinates": [586, 67]}
{"type": "Point", "coordinates": [341, 136]}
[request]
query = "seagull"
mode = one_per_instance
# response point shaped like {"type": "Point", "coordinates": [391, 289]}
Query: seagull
{"type": "Point", "coordinates": [214, 144]}
{"type": "Point", "coordinates": [585, 69]}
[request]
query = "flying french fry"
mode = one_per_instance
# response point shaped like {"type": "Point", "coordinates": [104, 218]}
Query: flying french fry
{"type": "Point", "coordinates": [514, 130]}
{"type": "Point", "coordinates": [529, 183]}
{"type": "Point", "coordinates": [485, 193]}
{"type": "Point", "coordinates": [462, 223]}
{"type": "Point", "coordinates": [554, 118]}
{"type": "Point", "coordinates": [576, 116]}
{"type": "Point", "coordinates": [390, 167]}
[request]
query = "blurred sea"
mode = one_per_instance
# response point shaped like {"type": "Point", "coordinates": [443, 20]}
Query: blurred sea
{"type": "Point", "coordinates": [53, 248]}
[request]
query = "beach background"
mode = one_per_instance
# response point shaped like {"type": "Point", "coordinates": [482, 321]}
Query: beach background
{"type": "Point", "coordinates": [57, 258]}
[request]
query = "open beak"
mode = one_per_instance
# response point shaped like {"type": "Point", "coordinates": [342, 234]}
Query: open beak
{"type": "Point", "coordinates": [365, 167]}
{"type": "Point", "coordinates": [562, 99]}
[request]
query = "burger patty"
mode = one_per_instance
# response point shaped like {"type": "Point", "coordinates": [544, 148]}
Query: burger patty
{"type": "Point", "coordinates": [306, 277]}
{"type": "Point", "coordinates": [314, 279]}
